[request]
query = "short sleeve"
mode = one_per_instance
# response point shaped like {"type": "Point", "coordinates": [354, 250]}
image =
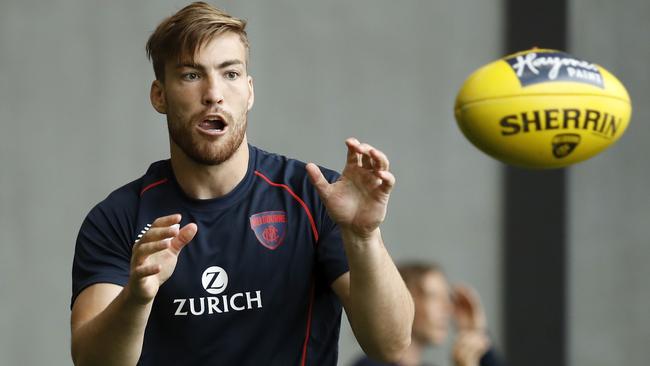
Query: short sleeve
{"type": "Point", "coordinates": [103, 247]}
{"type": "Point", "coordinates": [331, 258]}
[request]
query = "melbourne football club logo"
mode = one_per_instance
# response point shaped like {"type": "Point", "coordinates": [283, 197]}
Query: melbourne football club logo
{"type": "Point", "coordinates": [270, 228]}
{"type": "Point", "coordinates": [214, 280]}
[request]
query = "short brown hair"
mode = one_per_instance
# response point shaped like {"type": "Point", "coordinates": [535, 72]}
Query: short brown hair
{"type": "Point", "coordinates": [413, 272]}
{"type": "Point", "coordinates": [183, 34]}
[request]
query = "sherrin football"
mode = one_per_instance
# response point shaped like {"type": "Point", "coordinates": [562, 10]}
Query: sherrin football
{"type": "Point", "coordinates": [542, 108]}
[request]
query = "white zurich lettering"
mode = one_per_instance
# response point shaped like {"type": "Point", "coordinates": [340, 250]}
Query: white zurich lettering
{"type": "Point", "coordinates": [216, 305]}
{"type": "Point", "coordinates": [232, 302]}
{"type": "Point", "coordinates": [193, 310]}
{"type": "Point", "coordinates": [213, 307]}
{"type": "Point", "coordinates": [179, 311]}
{"type": "Point", "coordinates": [257, 299]}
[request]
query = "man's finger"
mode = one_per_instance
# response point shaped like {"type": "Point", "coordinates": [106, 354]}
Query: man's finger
{"type": "Point", "coordinates": [352, 155]}
{"type": "Point", "coordinates": [152, 232]}
{"type": "Point", "coordinates": [352, 141]}
{"type": "Point", "coordinates": [185, 235]}
{"type": "Point", "coordinates": [380, 160]}
{"type": "Point", "coordinates": [144, 271]}
{"type": "Point", "coordinates": [144, 250]}
{"type": "Point", "coordinates": [387, 180]}
{"type": "Point", "coordinates": [159, 233]}
{"type": "Point", "coordinates": [364, 148]}
{"type": "Point", "coordinates": [167, 220]}
{"type": "Point", "coordinates": [318, 180]}
{"type": "Point", "coordinates": [366, 162]}
{"type": "Point", "coordinates": [357, 148]}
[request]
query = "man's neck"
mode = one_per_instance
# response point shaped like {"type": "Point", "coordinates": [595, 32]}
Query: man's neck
{"type": "Point", "coordinates": [201, 181]}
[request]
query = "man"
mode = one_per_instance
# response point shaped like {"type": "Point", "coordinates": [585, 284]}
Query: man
{"type": "Point", "coordinates": [226, 254]}
{"type": "Point", "coordinates": [435, 305]}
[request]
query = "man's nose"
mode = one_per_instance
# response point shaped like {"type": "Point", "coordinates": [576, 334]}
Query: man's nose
{"type": "Point", "coordinates": [213, 93]}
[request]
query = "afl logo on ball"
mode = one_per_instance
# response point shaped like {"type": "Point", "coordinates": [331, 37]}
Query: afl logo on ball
{"type": "Point", "coordinates": [564, 144]}
{"type": "Point", "coordinates": [270, 228]}
{"type": "Point", "coordinates": [214, 280]}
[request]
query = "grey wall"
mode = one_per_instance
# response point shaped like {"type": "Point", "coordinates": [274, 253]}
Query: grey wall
{"type": "Point", "coordinates": [609, 205]}
{"type": "Point", "coordinates": [76, 124]}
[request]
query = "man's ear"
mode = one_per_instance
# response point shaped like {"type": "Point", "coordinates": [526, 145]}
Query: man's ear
{"type": "Point", "coordinates": [157, 96]}
{"type": "Point", "coordinates": [251, 98]}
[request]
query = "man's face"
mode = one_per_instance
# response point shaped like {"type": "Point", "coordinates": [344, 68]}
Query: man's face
{"type": "Point", "coordinates": [432, 309]}
{"type": "Point", "coordinates": [207, 101]}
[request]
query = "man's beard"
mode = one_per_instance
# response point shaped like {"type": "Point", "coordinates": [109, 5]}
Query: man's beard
{"type": "Point", "coordinates": [203, 151]}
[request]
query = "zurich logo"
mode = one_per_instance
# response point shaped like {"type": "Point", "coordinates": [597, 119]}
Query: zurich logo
{"type": "Point", "coordinates": [214, 280]}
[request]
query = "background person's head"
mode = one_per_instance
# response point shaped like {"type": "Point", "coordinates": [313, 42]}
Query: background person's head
{"type": "Point", "coordinates": [432, 297]}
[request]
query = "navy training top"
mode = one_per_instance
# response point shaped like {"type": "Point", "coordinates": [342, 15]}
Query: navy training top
{"type": "Point", "coordinates": [251, 288]}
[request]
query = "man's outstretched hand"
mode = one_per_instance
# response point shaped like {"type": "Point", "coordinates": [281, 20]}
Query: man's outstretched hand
{"type": "Point", "coordinates": [359, 199]}
{"type": "Point", "coordinates": [155, 255]}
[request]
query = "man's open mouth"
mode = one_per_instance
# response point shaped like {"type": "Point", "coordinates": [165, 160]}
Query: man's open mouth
{"type": "Point", "coordinates": [215, 124]}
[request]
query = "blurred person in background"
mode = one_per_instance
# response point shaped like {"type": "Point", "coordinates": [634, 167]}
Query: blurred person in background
{"type": "Point", "coordinates": [436, 306]}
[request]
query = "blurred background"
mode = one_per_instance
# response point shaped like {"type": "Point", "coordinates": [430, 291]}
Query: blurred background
{"type": "Point", "coordinates": [76, 123]}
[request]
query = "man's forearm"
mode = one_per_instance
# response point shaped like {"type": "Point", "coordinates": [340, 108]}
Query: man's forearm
{"type": "Point", "coordinates": [381, 308]}
{"type": "Point", "coordinates": [113, 337]}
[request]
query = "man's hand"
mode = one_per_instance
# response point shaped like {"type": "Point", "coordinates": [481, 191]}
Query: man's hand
{"type": "Point", "coordinates": [359, 199]}
{"type": "Point", "coordinates": [155, 255]}
{"type": "Point", "coordinates": [469, 347]}
{"type": "Point", "coordinates": [468, 311]}
{"type": "Point", "coordinates": [472, 341]}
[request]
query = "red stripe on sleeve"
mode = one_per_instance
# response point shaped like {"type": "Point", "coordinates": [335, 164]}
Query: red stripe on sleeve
{"type": "Point", "coordinates": [157, 183]}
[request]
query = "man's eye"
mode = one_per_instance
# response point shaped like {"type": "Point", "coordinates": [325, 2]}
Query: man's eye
{"type": "Point", "coordinates": [190, 76]}
{"type": "Point", "coordinates": [232, 75]}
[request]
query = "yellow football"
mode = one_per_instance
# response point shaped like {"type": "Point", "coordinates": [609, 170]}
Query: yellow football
{"type": "Point", "coordinates": [542, 108]}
